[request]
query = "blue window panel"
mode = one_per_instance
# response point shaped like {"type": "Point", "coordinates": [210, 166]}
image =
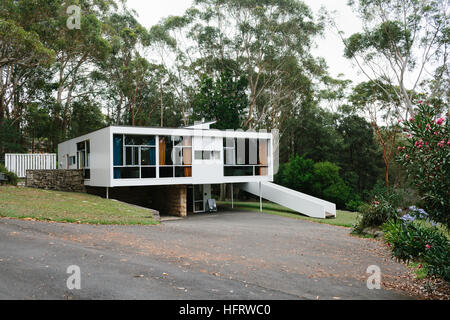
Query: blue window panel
{"type": "Point", "coordinates": [117, 173]}
{"type": "Point", "coordinates": [118, 150]}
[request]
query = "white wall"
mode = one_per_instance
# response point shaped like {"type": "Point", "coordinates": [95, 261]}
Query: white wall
{"type": "Point", "coordinates": [100, 156]}
{"type": "Point", "coordinates": [205, 171]}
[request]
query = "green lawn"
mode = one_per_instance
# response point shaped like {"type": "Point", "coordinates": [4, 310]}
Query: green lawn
{"type": "Point", "coordinates": [21, 203]}
{"type": "Point", "coordinates": [343, 218]}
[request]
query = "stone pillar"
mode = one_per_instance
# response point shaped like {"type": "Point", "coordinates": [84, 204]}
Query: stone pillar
{"type": "Point", "coordinates": [176, 197]}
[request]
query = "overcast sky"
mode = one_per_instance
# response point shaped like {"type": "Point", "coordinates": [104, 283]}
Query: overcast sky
{"type": "Point", "coordinates": [330, 47]}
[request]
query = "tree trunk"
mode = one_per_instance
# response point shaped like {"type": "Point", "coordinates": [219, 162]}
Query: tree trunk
{"type": "Point", "coordinates": [386, 175]}
{"type": "Point", "coordinates": [161, 102]}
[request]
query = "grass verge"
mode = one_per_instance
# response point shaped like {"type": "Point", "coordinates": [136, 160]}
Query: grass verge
{"type": "Point", "coordinates": [343, 218]}
{"type": "Point", "coordinates": [44, 205]}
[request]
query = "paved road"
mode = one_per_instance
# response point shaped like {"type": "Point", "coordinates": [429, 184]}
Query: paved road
{"type": "Point", "coordinates": [225, 256]}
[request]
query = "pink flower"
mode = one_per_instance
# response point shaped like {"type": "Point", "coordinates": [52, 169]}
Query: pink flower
{"type": "Point", "coordinates": [435, 133]}
{"type": "Point", "coordinates": [411, 120]}
{"type": "Point", "coordinates": [420, 266]}
{"type": "Point", "coordinates": [388, 244]}
{"type": "Point", "coordinates": [427, 246]}
{"type": "Point", "coordinates": [407, 157]}
{"type": "Point", "coordinates": [377, 203]}
{"type": "Point", "coordinates": [440, 121]}
{"type": "Point", "coordinates": [441, 144]}
{"type": "Point", "coordinates": [399, 121]}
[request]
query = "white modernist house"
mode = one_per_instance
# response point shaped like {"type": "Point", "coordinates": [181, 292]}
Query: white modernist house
{"type": "Point", "coordinates": [119, 156]}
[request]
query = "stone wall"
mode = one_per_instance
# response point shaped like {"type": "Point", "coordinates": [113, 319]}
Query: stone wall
{"type": "Point", "coordinates": [171, 200]}
{"type": "Point", "coordinates": [168, 200]}
{"type": "Point", "coordinates": [61, 180]}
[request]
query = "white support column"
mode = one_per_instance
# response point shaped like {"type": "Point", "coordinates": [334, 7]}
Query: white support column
{"type": "Point", "coordinates": [260, 197]}
{"type": "Point", "coordinates": [107, 192]}
{"type": "Point", "coordinates": [232, 197]}
{"type": "Point", "coordinates": [157, 156]}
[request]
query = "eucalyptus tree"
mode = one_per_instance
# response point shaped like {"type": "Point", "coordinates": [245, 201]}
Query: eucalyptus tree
{"type": "Point", "coordinates": [21, 51]}
{"type": "Point", "coordinates": [268, 42]}
{"type": "Point", "coordinates": [381, 107]}
{"type": "Point", "coordinates": [403, 46]}
{"type": "Point", "coordinates": [169, 44]}
{"type": "Point", "coordinates": [76, 50]}
{"type": "Point", "coordinates": [223, 100]}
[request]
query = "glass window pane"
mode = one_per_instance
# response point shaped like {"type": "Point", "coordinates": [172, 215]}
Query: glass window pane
{"type": "Point", "coordinates": [252, 151]}
{"type": "Point", "coordinates": [81, 146]}
{"type": "Point", "coordinates": [132, 156]}
{"type": "Point", "coordinates": [178, 156]}
{"type": "Point", "coordinates": [229, 157]}
{"type": "Point", "coordinates": [181, 172]}
{"type": "Point", "coordinates": [238, 171]}
{"type": "Point", "coordinates": [138, 140]}
{"type": "Point", "coordinates": [198, 155]}
{"type": "Point", "coordinates": [263, 152]}
{"type": "Point", "coordinates": [148, 156]}
{"type": "Point", "coordinates": [118, 150]}
{"type": "Point", "coordinates": [187, 156]}
{"type": "Point", "coordinates": [187, 141]}
{"type": "Point", "coordinates": [240, 151]}
{"type": "Point", "coordinates": [166, 172]}
{"type": "Point", "coordinates": [126, 173]}
{"type": "Point", "coordinates": [206, 155]}
{"type": "Point", "coordinates": [165, 151]}
{"type": "Point", "coordinates": [262, 171]}
{"type": "Point", "coordinates": [148, 172]}
{"type": "Point", "coordinates": [129, 156]}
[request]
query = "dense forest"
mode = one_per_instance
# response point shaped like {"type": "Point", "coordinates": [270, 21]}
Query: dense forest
{"type": "Point", "coordinates": [245, 63]}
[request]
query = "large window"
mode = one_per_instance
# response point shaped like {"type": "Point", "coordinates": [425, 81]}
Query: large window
{"type": "Point", "coordinates": [175, 157]}
{"type": "Point", "coordinates": [246, 157]}
{"type": "Point", "coordinates": [83, 158]}
{"type": "Point", "coordinates": [135, 156]}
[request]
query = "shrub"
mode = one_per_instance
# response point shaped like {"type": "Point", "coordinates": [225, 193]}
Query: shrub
{"type": "Point", "coordinates": [381, 209]}
{"type": "Point", "coordinates": [327, 184]}
{"type": "Point", "coordinates": [11, 177]}
{"type": "Point", "coordinates": [354, 205]}
{"type": "Point", "coordinates": [296, 174]}
{"type": "Point", "coordinates": [412, 239]}
{"type": "Point", "coordinates": [425, 158]}
{"type": "Point", "coordinates": [320, 180]}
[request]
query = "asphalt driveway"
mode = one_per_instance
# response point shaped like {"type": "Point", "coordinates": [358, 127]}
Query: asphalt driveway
{"type": "Point", "coordinates": [239, 255]}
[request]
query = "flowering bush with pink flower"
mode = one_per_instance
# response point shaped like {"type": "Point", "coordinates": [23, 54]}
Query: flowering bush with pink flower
{"type": "Point", "coordinates": [426, 159]}
{"type": "Point", "coordinates": [416, 240]}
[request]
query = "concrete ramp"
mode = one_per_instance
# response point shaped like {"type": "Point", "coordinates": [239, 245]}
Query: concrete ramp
{"type": "Point", "coordinates": [294, 200]}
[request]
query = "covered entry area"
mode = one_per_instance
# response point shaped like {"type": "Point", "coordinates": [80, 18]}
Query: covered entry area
{"type": "Point", "coordinates": [197, 197]}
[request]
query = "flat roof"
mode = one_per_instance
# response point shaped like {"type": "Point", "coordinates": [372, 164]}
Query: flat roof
{"type": "Point", "coordinates": [191, 129]}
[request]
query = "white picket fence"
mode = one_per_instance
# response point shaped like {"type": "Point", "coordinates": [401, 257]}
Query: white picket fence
{"type": "Point", "coordinates": [20, 163]}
